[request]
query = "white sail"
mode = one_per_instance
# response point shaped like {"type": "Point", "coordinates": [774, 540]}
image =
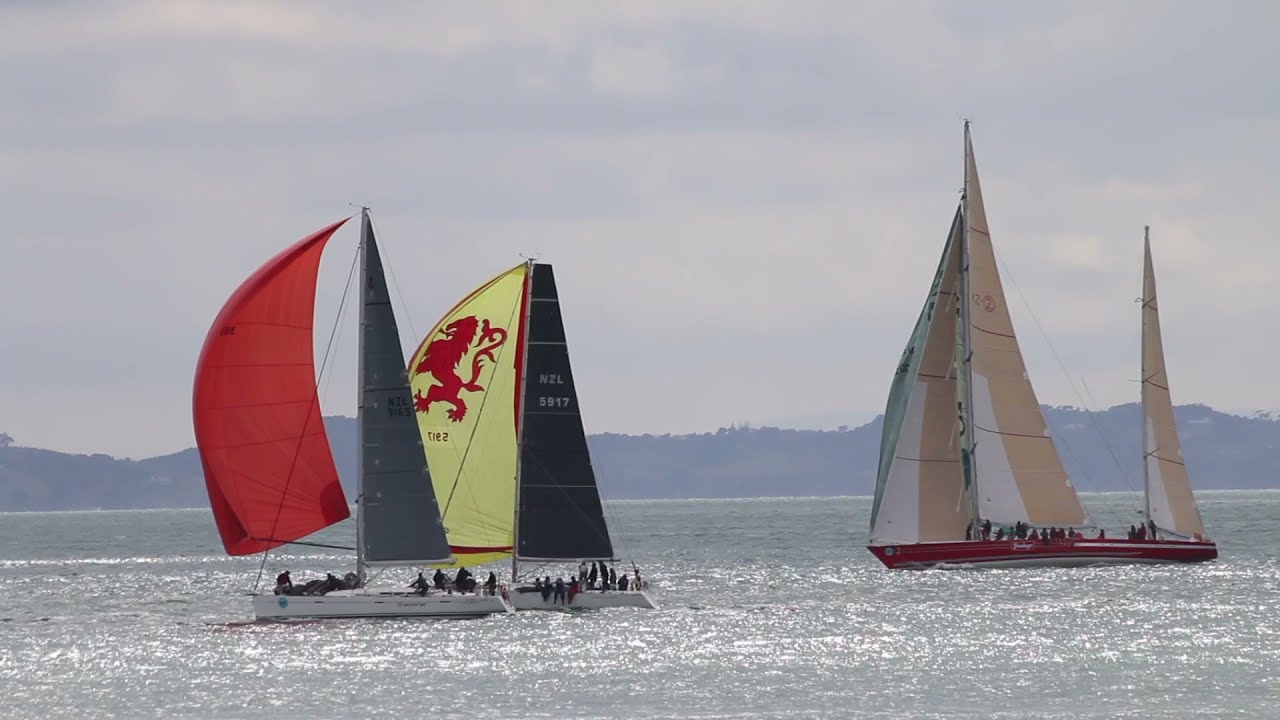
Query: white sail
{"type": "Point", "coordinates": [1171, 505]}
{"type": "Point", "coordinates": [920, 494]}
{"type": "Point", "coordinates": [1018, 472]}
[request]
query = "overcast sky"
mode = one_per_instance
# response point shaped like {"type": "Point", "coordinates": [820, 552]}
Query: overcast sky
{"type": "Point", "coordinates": [744, 201]}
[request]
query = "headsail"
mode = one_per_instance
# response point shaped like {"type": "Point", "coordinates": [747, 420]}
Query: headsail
{"type": "Point", "coordinates": [1019, 473]}
{"type": "Point", "coordinates": [920, 493]}
{"type": "Point", "coordinates": [400, 520]}
{"type": "Point", "coordinates": [267, 463]}
{"type": "Point", "coordinates": [464, 381]}
{"type": "Point", "coordinates": [560, 512]}
{"type": "Point", "coordinates": [1170, 501]}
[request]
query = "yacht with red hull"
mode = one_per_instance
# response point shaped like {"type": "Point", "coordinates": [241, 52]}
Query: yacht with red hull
{"type": "Point", "coordinates": [965, 449]}
{"type": "Point", "coordinates": [1078, 552]}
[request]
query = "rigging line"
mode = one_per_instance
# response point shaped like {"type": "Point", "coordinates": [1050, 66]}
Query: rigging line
{"type": "Point", "coordinates": [308, 544]}
{"type": "Point", "coordinates": [297, 451]}
{"type": "Point", "coordinates": [1124, 474]}
{"type": "Point", "coordinates": [390, 267]}
{"type": "Point", "coordinates": [1061, 366]}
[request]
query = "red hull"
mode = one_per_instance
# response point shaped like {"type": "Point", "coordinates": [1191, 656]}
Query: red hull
{"type": "Point", "coordinates": [1034, 553]}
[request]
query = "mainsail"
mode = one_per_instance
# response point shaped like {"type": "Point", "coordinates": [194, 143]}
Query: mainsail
{"type": "Point", "coordinates": [499, 417]}
{"type": "Point", "coordinates": [399, 520]}
{"type": "Point", "coordinates": [267, 463]}
{"type": "Point", "coordinates": [920, 493]}
{"type": "Point", "coordinates": [1170, 503]}
{"type": "Point", "coordinates": [1018, 472]}
{"type": "Point", "coordinates": [465, 377]}
{"type": "Point", "coordinates": [560, 515]}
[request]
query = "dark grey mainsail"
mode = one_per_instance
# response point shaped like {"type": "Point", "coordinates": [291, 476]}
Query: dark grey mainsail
{"type": "Point", "coordinates": [559, 512]}
{"type": "Point", "coordinates": [398, 519]}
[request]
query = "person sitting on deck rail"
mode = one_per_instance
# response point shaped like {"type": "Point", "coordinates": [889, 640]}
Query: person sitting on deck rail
{"type": "Point", "coordinates": [420, 584]}
{"type": "Point", "coordinates": [558, 594]}
{"type": "Point", "coordinates": [999, 533]}
{"type": "Point", "coordinates": [622, 582]}
{"type": "Point", "coordinates": [1102, 534]}
{"type": "Point", "coordinates": [439, 579]}
{"type": "Point", "coordinates": [283, 583]}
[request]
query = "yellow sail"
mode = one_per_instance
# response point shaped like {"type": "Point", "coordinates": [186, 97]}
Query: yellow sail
{"type": "Point", "coordinates": [465, 377]}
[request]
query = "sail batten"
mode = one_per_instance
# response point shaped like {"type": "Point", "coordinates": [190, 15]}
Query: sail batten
{"type": "Point", "coordinates": [267, 463]}
{"type": "Point", "coordinates": [1171, 504]}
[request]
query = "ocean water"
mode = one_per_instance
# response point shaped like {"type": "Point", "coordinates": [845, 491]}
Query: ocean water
{"type": "Point", "coordinates": [770, 608]}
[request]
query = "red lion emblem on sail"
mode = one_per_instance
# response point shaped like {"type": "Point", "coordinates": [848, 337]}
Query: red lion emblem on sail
{"type": "Point", "coordinates": [443, 356]}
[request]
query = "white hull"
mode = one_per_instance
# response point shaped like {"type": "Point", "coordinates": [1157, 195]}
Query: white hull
{"type": "Point", "coordinates": [376, 604]}
{"type": "Point", "coordinates": [589, 600]}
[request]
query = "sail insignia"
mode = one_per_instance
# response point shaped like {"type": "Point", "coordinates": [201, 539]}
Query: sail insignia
{"type": "Point", "coordinates": [464, 378]}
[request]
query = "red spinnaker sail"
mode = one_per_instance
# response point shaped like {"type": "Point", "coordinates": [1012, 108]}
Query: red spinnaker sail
{"type": "Point", "coordinates": [267, 462]}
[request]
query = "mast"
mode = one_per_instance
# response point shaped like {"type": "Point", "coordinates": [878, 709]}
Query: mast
{"type": "Point", "coordinates": [964, 386]}
{"type": "Point", "coordinates": [360, 565]}
{"type": "Point", "coordinates": [526, 305]}
{"type": "Point", "coordinates": [1142, 415]}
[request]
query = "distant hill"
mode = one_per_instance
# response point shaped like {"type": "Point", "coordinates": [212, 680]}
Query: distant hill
{"type": "Point", "coordinates": [1222, 452]}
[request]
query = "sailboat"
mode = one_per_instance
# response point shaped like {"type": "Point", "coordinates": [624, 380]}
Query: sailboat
{"type": "Point", "coordinates": [499, 416]}
{"type": "Point", "coordinates": [267, 463]}
{"type": "Point", "coordinates": [965, 446]}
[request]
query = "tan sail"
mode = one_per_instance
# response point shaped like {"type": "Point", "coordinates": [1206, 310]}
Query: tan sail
{"type": "Point", "coordinates": [1170, 502]}
{"type": "Point", "coordinates": [1019, 473]}
{"type": "Point", "coordinates": [921, 496]}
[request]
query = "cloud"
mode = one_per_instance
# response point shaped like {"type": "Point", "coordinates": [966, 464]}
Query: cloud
{"type": "Point", "coordinates": [744, 201]}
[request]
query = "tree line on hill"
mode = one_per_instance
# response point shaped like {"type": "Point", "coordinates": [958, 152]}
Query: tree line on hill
{"type": "Point", "coordinates": [1101, 450]}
